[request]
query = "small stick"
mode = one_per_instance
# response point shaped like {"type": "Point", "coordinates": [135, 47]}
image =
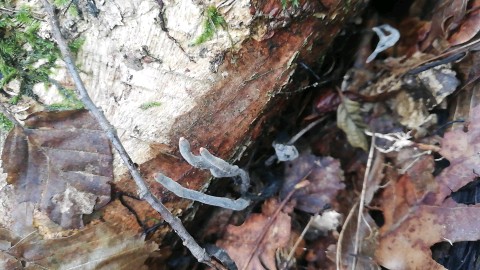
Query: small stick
{"type": "Point", "coordinates": [338, 255]}
{"type": "Point", "coordinates": [362, 200]}
{"type": "Point", "coordinates": [299, 239]}
{"type": "Point", "coordinates": [260, 239]}
{"type": "Point", "coordinates": [198, 252]}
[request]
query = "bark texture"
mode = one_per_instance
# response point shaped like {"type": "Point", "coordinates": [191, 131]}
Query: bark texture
{"type": "Point", "coordinates": [218, 94]}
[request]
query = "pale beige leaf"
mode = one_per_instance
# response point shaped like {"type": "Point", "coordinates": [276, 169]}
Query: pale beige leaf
{"type": "Point", "coordinates": [97, 247]}
{"type": "Point", "coordinates": [350, 121]}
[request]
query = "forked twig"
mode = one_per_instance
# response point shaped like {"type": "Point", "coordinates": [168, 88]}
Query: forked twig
{"type": "Point", "coordinates": [198, 252]}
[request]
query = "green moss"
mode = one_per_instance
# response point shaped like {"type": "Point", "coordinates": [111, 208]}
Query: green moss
{"type": "Point", "coordinates": [61, 3]}
{"type": "Point", "coordinates": [5, 124]}
{"type": "Point", "coordinates": [295, 3]}
{"type": "Point", "coordinates": [70, 5]}
{"type": "Point", "coordinates": [76, 44]}
{"type": "Point", "coordinates": [24, 55]}
{"type": "Point", "coordinates": [71, 102]}
{"type": "Point", "coordinates": [149, 105]}
{"type": "Point", "coordinates": [213, 20]}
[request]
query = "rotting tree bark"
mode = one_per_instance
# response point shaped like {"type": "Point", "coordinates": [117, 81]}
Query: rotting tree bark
{"type": "Point", "coordinates": [216, 95]}
{"type": "Point", "coordinates": [231, 114]}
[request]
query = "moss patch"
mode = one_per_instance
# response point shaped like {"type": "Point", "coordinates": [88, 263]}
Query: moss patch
{"type": "Point", "coordinates": [71, 102]}
{"type": "Point", "coordinates": [213, 20]}
{"type": "Point", "coordinates": [5, 124]}
{"type": "Point", "coordinates": [149, 105]}
{"type": "Point", "coordinates": [24, 55]}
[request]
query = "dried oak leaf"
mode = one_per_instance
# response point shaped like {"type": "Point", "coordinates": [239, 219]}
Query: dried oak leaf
{"type": "Point", "coordinates": [447, 15]}
{"type": "Point", "coordinates": [241, 241]}
{"type": "Point", "coordinates": [412, 226]}
{"type": "Point", "coordinates": [325, 177]}
{"type": "Point", "coordinates": [61, 161]}
{"type": "Point", "coordinates": [469, 27]}
{"type": "Point", "coordinates": [101, 246]}
{"type": "Point", "coordinates": [461, 149]}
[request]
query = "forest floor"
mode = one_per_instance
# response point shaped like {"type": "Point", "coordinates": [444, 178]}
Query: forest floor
{"type": "Point", "coordinates": [388, 153]}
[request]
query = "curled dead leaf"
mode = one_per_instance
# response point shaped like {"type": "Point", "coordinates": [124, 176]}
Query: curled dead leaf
{"type": "Point", "coordinates": [469, 27]}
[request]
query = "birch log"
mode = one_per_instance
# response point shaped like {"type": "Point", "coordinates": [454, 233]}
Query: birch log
{"type": "Point", "coordinates": [217, 94]}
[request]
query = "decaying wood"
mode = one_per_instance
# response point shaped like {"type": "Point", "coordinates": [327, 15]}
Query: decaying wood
{"type": "Point", "coordinates": [218, 94]}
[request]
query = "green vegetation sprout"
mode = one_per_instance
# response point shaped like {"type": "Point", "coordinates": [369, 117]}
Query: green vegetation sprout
{"type": "Point", "coordinates": [295, 3]}
{"type": "Point", "coordinates": [213, 20]}
{"type": "Point", "coordinates": [5, 124]}
{"type": "Point", "coordinates": [24, 55]}
{"type": "Point", "coordinates": [71, 102]}
{"type": "Point", "coordinates": [149, 105]}
{"type": "Point", "coordinates": [76, 44]}
{"type": "Point", "coordinates": [71, 5]}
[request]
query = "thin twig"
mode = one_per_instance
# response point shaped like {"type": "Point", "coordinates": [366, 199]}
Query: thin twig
{"type": "Point", "coordinates": [262, 235]}
{"type": "Point", "coordinates": [285, 264]}
{"type": "Point", "coordinates": [198, 252]}
{"type": "Point", "coordinates": [338, 256]}
{"type": "Point", "coordinates": [362, 200]}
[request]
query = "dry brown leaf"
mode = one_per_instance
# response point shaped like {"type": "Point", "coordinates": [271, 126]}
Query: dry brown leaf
{"type": "Point", "coordinates": [461, 149]}
{"type": "Point", "coordinates": [325, 177]}
{"type": "Point", "coordinates": [419, 166]}
{"type": "Point", "coordinates": [8, 262]}
{"type": "Point", "coordinates": [415, 210]}
{"type": "Point", "coordinates": [412, 226]}
{"type": "Point", "coordinates": [405, 243]}
{"type": "Point", "coordinates": [469, 27]}
{"type": "Point", "coordinates": [408, 246]}
{"type": "Point", "coordinates": [61, 161]}
{"type": "Point", "coordinates": [446, 17]}
{"type": "Point", "coordinates": [366, 244]}
{"type": "Point", "coordinates": [240, 241]}
{"type": "Point", "coordinates": [414, 31]}
{"type": "Point", "coordinates": [97, 247]}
